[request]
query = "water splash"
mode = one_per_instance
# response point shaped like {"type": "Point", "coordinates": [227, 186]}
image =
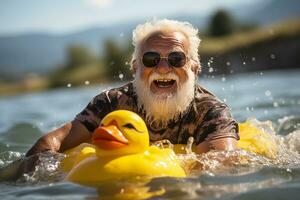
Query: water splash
{"type": "Point", "coordinates": [46, 170]}
{"type": "Point", "coordinates": [163, 144]}
{"type": "Point", "coordinates": [237, 163]}
{"type": "Point", "coordinates": [8, 157]}
{"type": "Point", "coordinates": [220, 162]}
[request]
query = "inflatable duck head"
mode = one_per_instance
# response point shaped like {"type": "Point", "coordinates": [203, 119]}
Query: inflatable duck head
{"type": "Point", "coordinates": [121, 132]}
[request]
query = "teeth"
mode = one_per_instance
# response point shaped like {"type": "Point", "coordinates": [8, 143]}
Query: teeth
{"type": "Point", "coordinates": [163, 80]}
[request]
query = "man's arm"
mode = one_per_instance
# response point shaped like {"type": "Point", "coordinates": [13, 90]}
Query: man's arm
{"type": "Point", "coordinates": [217, 144]}
{"type": "Point", "coordinates": [217, 130]}
{"type": "Point", "coordinates": [67, 136]}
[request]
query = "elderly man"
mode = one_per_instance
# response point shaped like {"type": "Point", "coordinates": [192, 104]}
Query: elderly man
{"type": "Point", "coordinates": [164, 93]}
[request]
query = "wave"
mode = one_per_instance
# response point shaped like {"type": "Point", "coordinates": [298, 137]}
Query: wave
{"type": "Point", "coordinates": [214, 163]}
{"type": "Point", "coordinates": [19, 137]}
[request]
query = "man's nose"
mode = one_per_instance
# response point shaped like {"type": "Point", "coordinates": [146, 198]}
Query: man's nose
{"type": "Point", "coordinates": [163, 67]}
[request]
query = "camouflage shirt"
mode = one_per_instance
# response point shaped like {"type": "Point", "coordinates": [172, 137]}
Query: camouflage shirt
{"type": "Point", "coordinates": [206, 118]}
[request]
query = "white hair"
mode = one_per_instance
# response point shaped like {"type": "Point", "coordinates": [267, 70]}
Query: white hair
{"type": "Point", "coordinates": [162, 108]}
{"type": "Point", "coordinates": [142, 31]}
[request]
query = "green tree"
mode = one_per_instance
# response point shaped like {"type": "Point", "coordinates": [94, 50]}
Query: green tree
{"type": "Point", "coordinates": [116, 60]}
{"type": "Point", "coordinates": [221, 24]}
{"type": "Point", "coordinates": [78, 55]}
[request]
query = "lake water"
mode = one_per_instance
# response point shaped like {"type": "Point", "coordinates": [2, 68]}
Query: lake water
{"type": "Point", "coordinates": [273, 96]}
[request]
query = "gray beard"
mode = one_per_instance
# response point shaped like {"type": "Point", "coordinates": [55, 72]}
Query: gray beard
{"type": "Point", "coordinates": [161, 109]}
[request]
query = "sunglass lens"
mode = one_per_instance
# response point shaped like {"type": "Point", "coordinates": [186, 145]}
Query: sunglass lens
{"type": "Point", "coordinates": [177, 59]}
{"type": "Point", "coordinates": [151, 59]}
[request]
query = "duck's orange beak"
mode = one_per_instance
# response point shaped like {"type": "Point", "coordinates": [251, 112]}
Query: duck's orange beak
{"type": "Point", "coordinates": [109, 137]}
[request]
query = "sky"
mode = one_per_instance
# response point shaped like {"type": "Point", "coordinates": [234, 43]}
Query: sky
{"type": "Point", "coordinates": [63, 16]}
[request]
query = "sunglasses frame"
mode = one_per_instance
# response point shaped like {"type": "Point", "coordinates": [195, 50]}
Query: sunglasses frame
{"type": "Point", "coordinates": [165, 57]}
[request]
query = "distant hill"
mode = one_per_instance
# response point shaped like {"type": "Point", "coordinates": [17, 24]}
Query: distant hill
{"type": "Point", "coordinates": [276, 10]}
{"type": "Point", "coordinates": [41, 52]}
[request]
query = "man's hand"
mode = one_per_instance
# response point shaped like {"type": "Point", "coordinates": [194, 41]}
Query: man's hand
{"type": "Point", "coordinates": [68, 136]}
{"type": "Point", "coordinates": [228, 143]}
{"type": "Point", "coordinates": [51, 141]}
{"type": "Point", "coordinates": [45, 143]}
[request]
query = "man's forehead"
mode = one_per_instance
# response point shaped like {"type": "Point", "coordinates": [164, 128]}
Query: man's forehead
{"type": "Point", "coordinates": [166, 38]}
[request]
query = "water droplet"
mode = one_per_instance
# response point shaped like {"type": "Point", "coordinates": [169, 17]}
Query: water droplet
{"type": "Point", "coordinates": [272, 56]}
{"type": "Point", "coordinates": [244, 63]}
{"type": "Point", "coordinates": [210, 70]}
{"type": "Point", "coordinates": [121, 76]}
{"type": "Point", "coordinates": [69, 85]}
{"type": "Point", "coordinates": [121, 34]}
{"type": "Point", "coordinates": [247, 108]}
{"type": "Point", "coordinates": [261, 73]}
{"type": "Point", "coordinates": [228, 63]}
{"type": "Point", "coordinates": [253, 59]}
{"type": "Point", "coordinates": [223, 79]}
{"type": "Point", "coordinates": [275, 104]}
{"type": "Point", "coordinates": [224, 100]}
{"type": "Point", "coordinates": [288, 170]}
{"type": "Point", "coordinates": [210, 174]}
{"type": "Point", "coordinates": [268, 93]}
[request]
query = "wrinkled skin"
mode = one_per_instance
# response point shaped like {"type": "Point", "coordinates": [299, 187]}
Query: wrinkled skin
{"type": "Point", "coordinates": [165, 43]}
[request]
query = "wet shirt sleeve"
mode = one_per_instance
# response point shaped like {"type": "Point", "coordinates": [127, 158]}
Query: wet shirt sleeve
{"type": "Point", "coordinates": [217, 123]}
{"type": "Point", "coordinates": [94, 112]}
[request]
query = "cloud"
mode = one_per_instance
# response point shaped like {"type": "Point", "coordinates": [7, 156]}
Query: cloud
{"type": "Point", "coordinates": [99, 3]}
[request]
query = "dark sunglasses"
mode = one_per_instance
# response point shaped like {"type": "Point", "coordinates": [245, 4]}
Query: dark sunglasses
{"type": "Point", "coordinates": [174, 59]}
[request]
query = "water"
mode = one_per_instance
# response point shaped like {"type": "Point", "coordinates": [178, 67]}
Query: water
{"type": "Point", "coordinates": [273, 96]}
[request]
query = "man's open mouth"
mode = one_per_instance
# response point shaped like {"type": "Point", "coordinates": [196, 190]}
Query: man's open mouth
{"type": "Point", "coordinates": [164, 83]}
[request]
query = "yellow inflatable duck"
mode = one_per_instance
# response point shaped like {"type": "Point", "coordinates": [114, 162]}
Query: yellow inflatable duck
{"type": "Point", "coordinates": [252, 139]}
{"type": "Point", "coordinates": [120, 151]}
{"type": "Point", "coordinates": [256, 140]}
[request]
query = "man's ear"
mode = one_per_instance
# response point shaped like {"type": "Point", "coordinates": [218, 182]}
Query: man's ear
{"type": "Point", "coordinates": [134, 66]}
{"type": "Point", "coordinates": [196, 68]}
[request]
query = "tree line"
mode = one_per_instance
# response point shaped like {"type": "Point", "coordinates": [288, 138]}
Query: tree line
{"type": "Point", "coordinates": [116, 58]}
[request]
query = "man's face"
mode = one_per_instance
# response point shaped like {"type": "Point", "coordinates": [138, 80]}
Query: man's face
{"type": "Point", "coordinates": [164, 43]}
{"type": "Point", "coordinates": [164, 91]}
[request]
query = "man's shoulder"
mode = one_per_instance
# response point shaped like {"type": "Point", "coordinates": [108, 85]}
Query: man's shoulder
{"type": "Point", "coordinates": [126, 88]}
{"type": "Point", "coordinates": [114, 92]}
{"type": "Point", "coordinates": [111, 95]}
{"type": "Point", "coordinates": [206, 101]}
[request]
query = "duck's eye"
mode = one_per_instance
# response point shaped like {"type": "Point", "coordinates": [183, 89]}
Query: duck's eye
{"type": "Point", "coordinates": [130, 126]}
